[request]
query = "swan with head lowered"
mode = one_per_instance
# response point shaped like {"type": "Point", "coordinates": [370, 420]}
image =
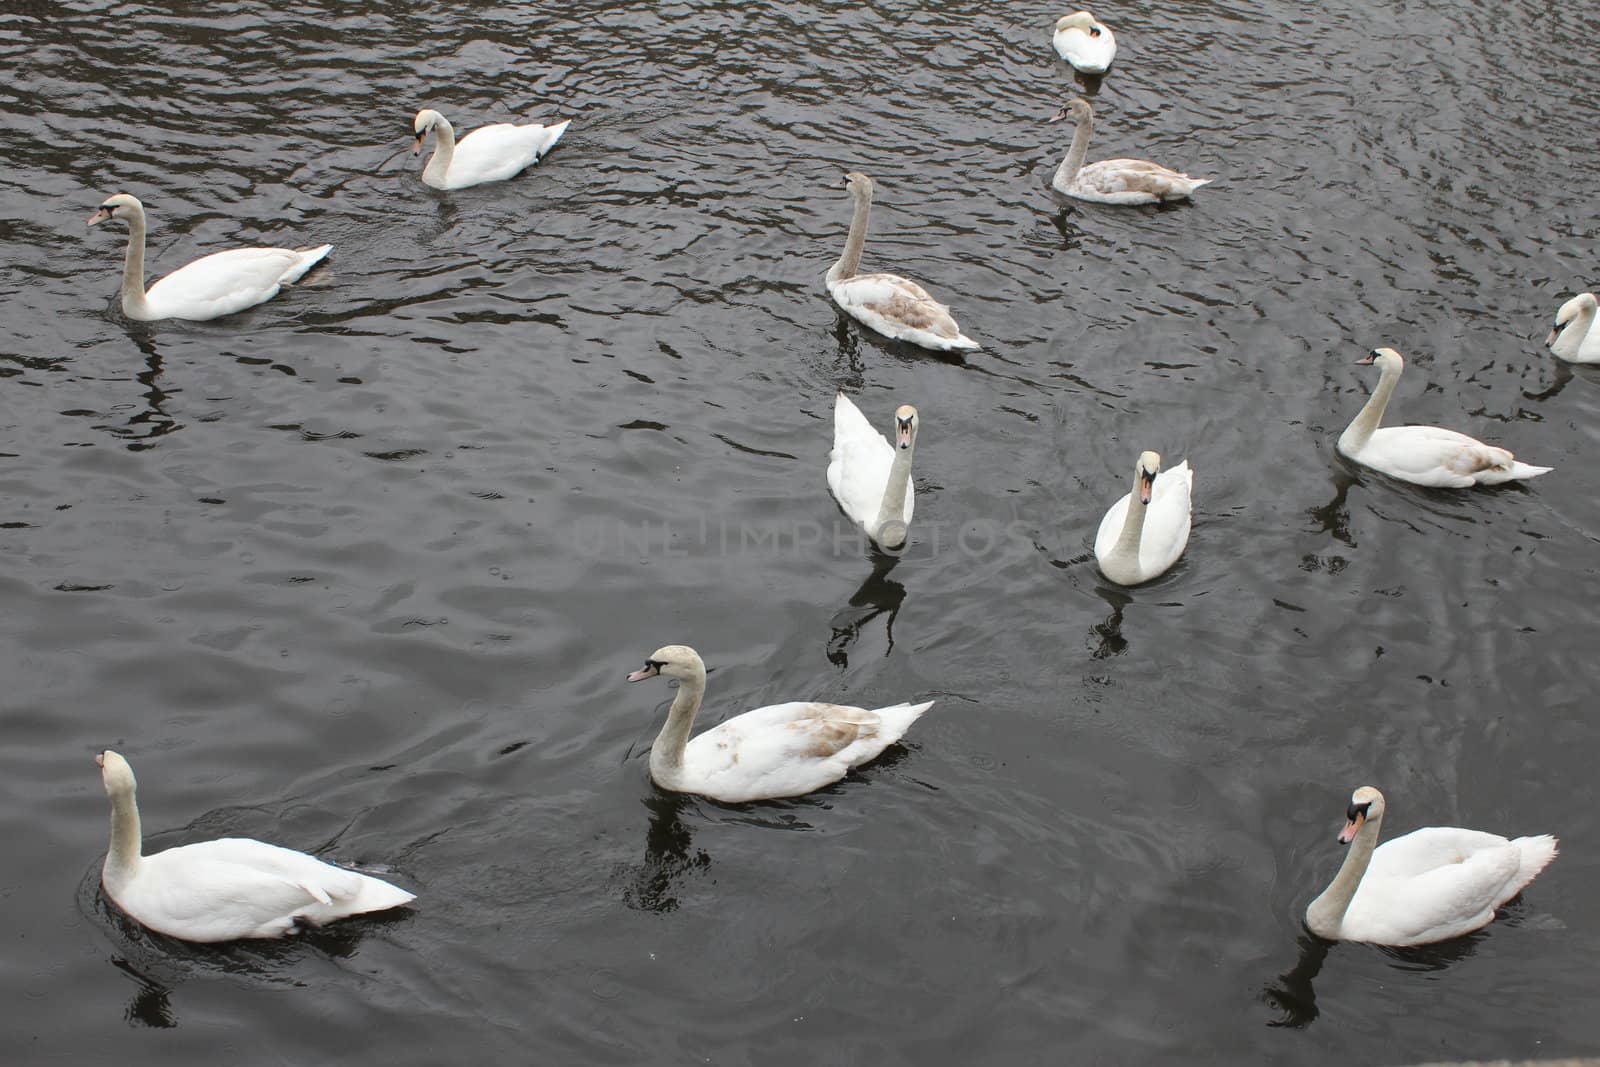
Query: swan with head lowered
{"type": "Point", "coordinates": [211, 286]}
{"type": "Point", "coordinates": [226, 889]}
{"type": "Point", "coordinates": [488, 154]}
{"type": "Point", "coordinates": [894, 306]}
{"type": "Point", "coordinates": [869, 477]}
{"type": "Point", "coordinates": [1422, 455]}
{"type": "Point", "coordinates": [1143, 534]}
{"type": "Point", "coordinates": [1432, 884]}
{"type": "Point", "coordinates": [1575, 338]}
{"type": "Point", "coordinates": [784, 750]}
{"type": "Point", "coordinates": [1114, 181]}
{"type": "Point", "coordinates": [1085, 42]}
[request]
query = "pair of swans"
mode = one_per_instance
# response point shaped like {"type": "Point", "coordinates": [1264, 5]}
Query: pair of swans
{"type": "Point", "coordinates": [1432, 884]}
{"type": "Point", "coordinates": [784, 750]}
{"type": "Point", "coordinates": [1575, 338]}
{"type": "Point", "coordinates": [1422, 455]}
{"type": "Point", "coordinates": [1085, 42]}
{"type": "Point", "coordinates": [1143, 534]}
{"type": "Point", "coordinates": [225, 889]}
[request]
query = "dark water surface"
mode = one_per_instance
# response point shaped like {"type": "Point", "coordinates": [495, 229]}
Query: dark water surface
{"type": "Point", "coordinates": [361, 571]}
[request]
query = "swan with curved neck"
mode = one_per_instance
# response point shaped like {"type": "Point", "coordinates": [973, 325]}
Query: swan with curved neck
{"type": "Point", "coordinates": [1575, 338]}
{"type": "Point", "coordinates": [869, 477]}
{"type": "Point", "coordinates": [210, 287]}
{"type": "Point", "coordinates": [1085, 42]}
{"type": "Point", "coordinates": [1429, 885]}
{"type": "Point", "coordinates": [1422, 455]}
{"type": "Point", "coordinates": [226, 889]}
{"type": "Point", "coordinates": [784, 750]}
{"type": "Point", "coordinates": [894, 306]}
{"type": "Point", "coordinates": [1143, 534]}
{"type": "Point", "coordinates": [1114, 181]}
{"type": "Point", "coordinates": [488, 154]}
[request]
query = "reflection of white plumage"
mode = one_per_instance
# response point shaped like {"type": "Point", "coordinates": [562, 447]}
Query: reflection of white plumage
{"type": "Point", "coordinates": [1113, 181]}
{"type": "Point", "coordinates": [1431, 884]}
{"type": "Point", "coordinates": [1422, 455]}
{"type": "Point", "coordinates": [869, 477]}
{"type": "Point", "coordinates": [211, 286]}
{"type": "Point", "coordinates": [1085, 42]}
{"type": "Point", "coordinates": [894, 306]}
{"type": "Point", "coordinates": [784, 750]}
{"type": "Point", "coordinates": [488, 154]}
{"type": "Point", "coordinates": [1143, 534]}
{"type": "Point", "coordinates": [1576, 339]}
{"type": "Point", "coordinates": [225, 889]}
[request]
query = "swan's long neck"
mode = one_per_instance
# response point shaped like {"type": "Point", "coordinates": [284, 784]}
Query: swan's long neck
{"type": "Point", "coordinates": [126, 843]}
{"type": "Point", "coordinates": [1127, 546]}
{"type": "Point", "coordinates": [133, 275]}
{"type": "Point", "coordinates": [666, 755]}
{"type": "Point", "coordinates": [891, 529]}
{"type": "Point", "coordinates": [1075, 155]}
{"type": "Point", "coordinates": [1325, 914]}
{"type": "Point", "coordinates": [1360, 429]}
{"type": "Point", "coordinates": [444, 150]}
{"type": "Point", "coordinates": [850, 259]}
{"type": "Point", "coordinates": [1574, 333]}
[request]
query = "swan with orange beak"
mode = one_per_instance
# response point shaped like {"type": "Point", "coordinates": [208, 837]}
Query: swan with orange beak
{"type": "Point", "coordinates": [1144, 533]}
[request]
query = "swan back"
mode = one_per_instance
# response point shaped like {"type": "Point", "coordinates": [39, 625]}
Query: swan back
{"type": "Point", "coordinates": [1085, 42]}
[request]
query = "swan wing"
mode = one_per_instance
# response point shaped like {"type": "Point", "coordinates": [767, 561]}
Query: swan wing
{"type": "Point", "coordinates": [499, 151]}
{"type": "Point", "coordinates": [900, 308]}
{"type": "Point", "coordinates": [1092, 55]}
{"type": "Point", "coordinates": [225, 282]}
{"type": "Point", "coordinates": [858, 466]}
{"type": "Point", "coordinates": [1105, 539]}
{"type": "Point", "coordinates": [1451, 885]}
{"type": "Point", "coordinates": [1134, 181]}
{"type": "Point", "coordinates": [1434, 456]}
{"type": "Point", "coordinates": [1166, 524]}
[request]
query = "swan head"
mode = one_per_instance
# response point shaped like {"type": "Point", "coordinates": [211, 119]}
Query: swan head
{"type": "Point", "coordinates": [1366, 805]}
{"type": "Point", "coordinates": [1077, 109]}
{"type": "Point", "coordinates": [1144, 475]}
{"type": "Point", "coordinates": [1385, 359]}
{"type": "Point", "coordinates": [1569, 311]}
{"type": "Point", "coordinates": [672, 661]}
{"type": "Point", "coordinates": [122, 202]}
{"type": "Point", "coordinates": [116, 774]}
{"type": "Point", "coordinates": [423, 124]}
{"type": "Point", "coordinates": [859, 184]}
{"type": "Point", "coordinates": [905, 427]}
{"type": "Point", "coordinates": [1080, 20]}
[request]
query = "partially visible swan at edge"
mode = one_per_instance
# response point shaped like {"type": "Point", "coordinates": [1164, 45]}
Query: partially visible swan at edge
{"type": "Point", "coordinates": [211, 286]}
{"type": "Point", "coordinates": [1114, 181]}
{"type": "Point", "coordinates": [487, 154]}
{"type": "Point", "coordinates": [783, 750]}
{"type": "Point", "coordinates": [1429, 885]}
{"type": "Point", "coordinates": [869, 477]}
{"type": "Point", "coordinates": [225, 889]}
{"type": "Point", "coordinates": [1422, 455]}
{"type": "Point", "coordinates": [1144, 533]}
{"type": "Point", "coordinates": [1086, 43]}
{"type": "Point", "coordinates": [894, 306]}
{"type": "Point", "coordinates": [1575, 338]}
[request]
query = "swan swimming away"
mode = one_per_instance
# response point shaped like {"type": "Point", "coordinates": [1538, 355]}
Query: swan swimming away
{"type": "Point", "coordinates": [784, 750]}
{"type": "Point", "coordinates": [1114, 181]}
{"type": "Point", "coordinates": [1085, 42]}
{"type": "Point", "coordinates": [1575, 338]}
{"type": "Point", "coordinates": [1432, 884]}
{"type": "Point", "coordinates": [226, 889]}
{"type": "Point", "coordinates": [1143, 534]}
{"type": "Point", "coordinates": [1422, 455]}
{"type": "Point", "coordinates": [488, 154]}
{"type": "Point", "coordinates": [869, 477]}
{"type": "Point", "coordinates": [894, 306]}
{"type": "Point", "coordinates": [211, 286]}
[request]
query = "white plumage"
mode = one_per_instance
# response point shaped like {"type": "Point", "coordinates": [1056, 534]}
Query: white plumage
{"type": "Point", "coordinates": [488, 154]}
{"type": "Point", "coordinates": [225, 889]}
{"type": "Point", "coordinates": [1159, 506]}
{"type": "Point", "coordinates": [1085, 42]}
{"type": "Point", "coordinates": [1114, 181]}
{"type": "Point", "coordinates": [1576, 339]}
{"type": "Point", "coordinates": [210, 287]}
{"type": "Point", "coordinates": [863, 466]}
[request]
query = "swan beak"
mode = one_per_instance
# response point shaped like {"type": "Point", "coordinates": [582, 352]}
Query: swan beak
{"type": "Point", "coordinates": [101, 214]}
{"type": "Point", "coordinates": [1058, 116]}
{"type": "Point", "coordinates": [1351, 828]}
{"type": "Point", "coordinates": [1367, 360]}
{"type": "Point", "coordinates": [416, 147]}
{"type": "Point", "coordinates": [1147, 482]}
{"type": "Point", "coordinates": [649, 670]}
{"type": "Point", "coordinates": [1548, 341]}
{"type": "Point", "coordinates": [903, 434]}
{"type": "Point", "coordinates": [100, 759]}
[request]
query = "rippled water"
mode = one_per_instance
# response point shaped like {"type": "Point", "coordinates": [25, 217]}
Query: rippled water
{"type": "Point", "coordinates": [361, 571]}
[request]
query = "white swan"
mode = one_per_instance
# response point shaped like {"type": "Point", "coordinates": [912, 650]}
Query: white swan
{"type": "Point", "coordinates": [870, 478]}
{"type": "Point", "coordinates": [1114, 181]}
{"type": "Point", "coordinates": [1085, 42]}
{"type": "Point", "coordinates": [225, 889]}
{"type": "Point", "coordinates": [211, 286]}
{"type": "Point", "coordinates": [1431, 884]}
{"type": "Point", "coordinates": [1575, 338]}
{"type": "Point", "coordinates": [1422, 455]}
{"type": "Point", "coordinates": [1144, 533]}
{"type": "Point", "coordinates": [783, 750]}
{"type": "Point", "coordinates": [487, 154]}
{"type": "Point", "coordinates": [894, 306]}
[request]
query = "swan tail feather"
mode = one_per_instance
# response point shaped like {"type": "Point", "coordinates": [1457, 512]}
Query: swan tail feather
{"type": "Point", "coordinates": [310, 256]}
{"type": "Point", "coordinates": [897, 719]}
{"type": "Point", "coordinates": [1537, 853]}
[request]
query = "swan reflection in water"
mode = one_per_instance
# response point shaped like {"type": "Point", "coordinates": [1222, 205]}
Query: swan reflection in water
{"type": "Point", "coordinates": [877, 595]}
{"type": "Point", "coordinates": [669, 854]}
